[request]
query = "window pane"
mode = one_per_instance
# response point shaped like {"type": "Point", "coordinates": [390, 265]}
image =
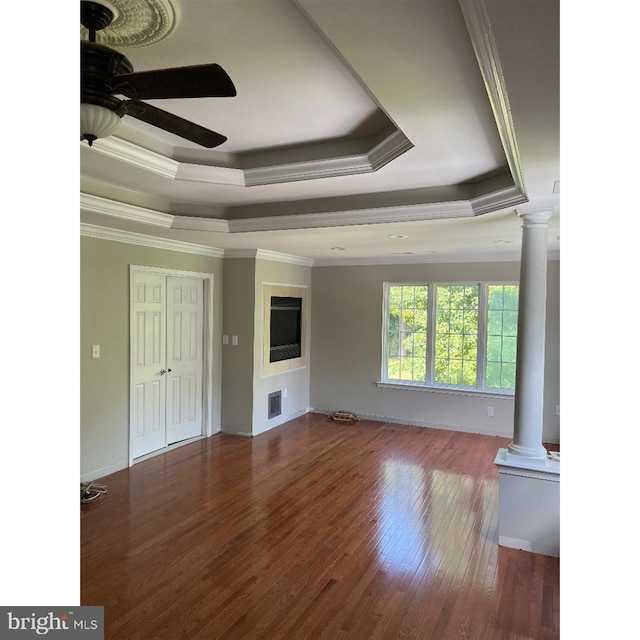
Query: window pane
{"type": "Point", "coordinates": [393, 344]}
{"type": "Point", "coordinates": [494, 325]}
{"type": "Point", "coordinates": [395, 297]}
{"type": "Point", "coordinates": [510, 323]}
{"type": "Point", "coordinates": [496, 298]}
{"type": "Point", "coordinates": [469, 373]}
{"type": "Point", "coordinates": [456, 334]}
{"type": "Point", "coordinates": [502, 329]}
{"type": "Point", "coordinates": [407, 332]}
{"type": "Point", "coordinates": [422, 293]}
{"type": "Point", "coordinates": [509, 349]}
{"type": "Point", "coordinates": [509, 376]}
{"type": "Point", "coordinates": [494, 348]}
{"type": "Point", "coordinates": [511, 297]}
{"type": "Point", "coordinates": [493, 374]}
{"type": "Point", "coordinates": [393, 368]}
{"type": "Point", "coordinates": [420, 345]}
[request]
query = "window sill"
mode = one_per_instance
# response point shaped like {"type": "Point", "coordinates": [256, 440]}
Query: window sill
{"type": "Point", "coordinates": [482, 393]}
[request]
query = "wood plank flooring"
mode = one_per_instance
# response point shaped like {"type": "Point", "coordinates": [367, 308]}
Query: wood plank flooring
{"type": "Point", "coordinates": [314, 529]}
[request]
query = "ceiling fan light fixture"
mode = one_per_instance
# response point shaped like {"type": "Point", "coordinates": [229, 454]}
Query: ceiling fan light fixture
{"type": "Point", "coordinates": [96, 122]}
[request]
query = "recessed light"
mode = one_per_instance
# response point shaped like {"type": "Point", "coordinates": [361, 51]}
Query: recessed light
{"type": "Point", "coordinates": [402, 253]}
{"type": "Point", "coordinates": [397, 236]}
{"type": "Point", "coordinates": [502, 241]}
{"type": "Point", "coordinates": [338, 248]}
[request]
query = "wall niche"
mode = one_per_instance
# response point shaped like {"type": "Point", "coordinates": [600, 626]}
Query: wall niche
{"type": "Point", "coordinates": [284, 328]}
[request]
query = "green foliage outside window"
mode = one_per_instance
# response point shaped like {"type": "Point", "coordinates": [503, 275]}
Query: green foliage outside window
{"type": "Point", "coordinates": [454, 348]}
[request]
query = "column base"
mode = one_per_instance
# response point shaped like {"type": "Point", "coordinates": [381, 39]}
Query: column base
{"type": "Point", "coordinates": [529, 496]}
{"type": "Point", "coordinates": [539, 453]}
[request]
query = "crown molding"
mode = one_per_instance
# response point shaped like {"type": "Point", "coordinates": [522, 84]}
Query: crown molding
{"type": "Point", "coordinates": [393, 146]}
{"type": "Point", "coordinates": [411, 213]}
{"type": "Point", "coordinates": [501, 199]}
{"type": "Point", "coordinates": [273, 256]}
{"type": "Point", "coordinates": [484, 45]}
{"type": "Point", "coordinates": [129, 237]}
{"type": "Point", "coordinates": [513, 255]}
{"type": "Point", "coordinates": [211, 174]}
{"type": "Point", "coordinates": [135, 155]}
{"type": "Point", "coordinates": [104, 206]}
{"type": "Point", "coordinates": [189, 223]}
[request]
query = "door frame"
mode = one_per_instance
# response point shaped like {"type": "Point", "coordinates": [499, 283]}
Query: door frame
{"type": "Point", "coordinates": [207, 350]}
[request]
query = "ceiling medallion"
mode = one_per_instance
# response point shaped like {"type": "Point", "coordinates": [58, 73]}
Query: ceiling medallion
{"type": "Point", "coordinates": [136, 23]}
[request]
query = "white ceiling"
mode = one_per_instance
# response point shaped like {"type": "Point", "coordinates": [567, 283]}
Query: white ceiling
{"type": "Point", "coordinates": [354, 121]}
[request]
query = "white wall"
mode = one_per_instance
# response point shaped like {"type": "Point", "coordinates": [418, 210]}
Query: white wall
{"type": "Point", "coordinates": [346, 350]}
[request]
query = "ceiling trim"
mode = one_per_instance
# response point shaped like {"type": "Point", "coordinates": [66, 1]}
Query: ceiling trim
{"type": "Point", "coordinates": [380, 215]}
{"type": "Point", "coordinates": [97, 204]}
{"type": "Point", "coordinates": [129, 237]}
{"type": "Point", "coordinates": [501, 199]}
{"type": "Point", "coordinates": [411, 213]}
{"type": "Point", "coordinates": [458, 257]}
{"type": "Point", "coordinates": [135, 155]}
{"type": "Point", "coordinates": [393, 146]}
{"type": "Point", "coordinates": [273, 256]}
{"type": "Point", "coordinates": [484, 45]}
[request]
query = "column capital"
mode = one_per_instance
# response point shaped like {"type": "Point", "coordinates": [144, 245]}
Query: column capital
{"type": "Point", "coordinates": [534, 216]}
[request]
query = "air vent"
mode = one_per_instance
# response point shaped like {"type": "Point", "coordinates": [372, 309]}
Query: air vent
{"type": "Point", "coordinates": [275, 404]}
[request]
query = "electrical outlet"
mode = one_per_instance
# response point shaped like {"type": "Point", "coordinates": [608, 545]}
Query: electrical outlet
{"type": "Point", "coordinates": [490, 412]}
{"type": "Point", "coordinates": [95, 350]}
{"type": "Point", "coordinates": [557, 409]}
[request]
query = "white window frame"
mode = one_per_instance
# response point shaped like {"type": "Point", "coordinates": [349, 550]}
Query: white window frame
{"type": "Point", "coordinates": [430, 384]}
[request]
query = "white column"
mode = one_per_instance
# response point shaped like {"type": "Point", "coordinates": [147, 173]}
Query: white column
{"type": "Point", "coordinates": [529, 391]}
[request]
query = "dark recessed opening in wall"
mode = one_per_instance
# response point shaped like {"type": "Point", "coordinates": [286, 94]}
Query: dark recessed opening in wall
{"type": "Point", "coordinates": [285, 339]}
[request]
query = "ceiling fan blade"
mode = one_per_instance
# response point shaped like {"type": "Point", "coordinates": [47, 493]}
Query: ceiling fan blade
{"type": "Point", "coordinates": [174, 124]}
{"type": "Point", "coordinates": [198, 81]}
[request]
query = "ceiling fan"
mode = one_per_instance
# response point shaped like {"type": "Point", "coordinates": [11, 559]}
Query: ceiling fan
{"type": "Point", "coordinates": [106, 73]}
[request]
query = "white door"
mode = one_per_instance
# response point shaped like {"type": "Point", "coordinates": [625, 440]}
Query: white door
{"type": "Point", "coordinates": [148, 345]}
{"type": "Point", "coordinates": [184, 358]}
{"type": "Point", "coordinates": [167, 360]}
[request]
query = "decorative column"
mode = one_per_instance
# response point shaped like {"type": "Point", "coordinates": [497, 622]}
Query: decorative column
{"type": "Point", "coordinates": [532, 305]}
{"type": "Point", "coordinates": [529, 486]}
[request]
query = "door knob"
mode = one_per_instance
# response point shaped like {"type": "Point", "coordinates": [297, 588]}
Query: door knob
{"type": "Point", "coordinates": [164, 371]}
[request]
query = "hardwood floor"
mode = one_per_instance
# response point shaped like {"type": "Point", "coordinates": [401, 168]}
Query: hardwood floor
{"type": "Point", "coordinates": [314, 529]}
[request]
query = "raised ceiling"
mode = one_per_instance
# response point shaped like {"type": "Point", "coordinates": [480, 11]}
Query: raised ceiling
{"type": "Point", "coordinates": [355, 121]}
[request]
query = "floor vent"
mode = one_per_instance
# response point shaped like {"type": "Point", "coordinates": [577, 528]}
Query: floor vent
{"type": "Point", "coordinates": [275, 404]}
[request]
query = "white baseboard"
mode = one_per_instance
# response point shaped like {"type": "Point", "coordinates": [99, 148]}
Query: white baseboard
{"type": "Point", "coordinates": [104, 471]}
{"type": "Point", "coordinates": [529, 545]}
{"type": "Point", "coordinates": [422, 423]}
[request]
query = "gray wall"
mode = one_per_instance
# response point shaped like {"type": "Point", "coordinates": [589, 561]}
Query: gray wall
{"type": "Point", "coordinates": [237, 361]}
{"type": "Point", "coordinates": [104, 320]}
{"type": "Point", "coordinates": [346, 349]}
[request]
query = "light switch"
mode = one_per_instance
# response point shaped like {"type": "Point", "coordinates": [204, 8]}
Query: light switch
{"type": "Point", "coordinates": [225, 339]}
{"type": "Point", "coordinates": [234, 341]}
{"type": "Point", "coordinates": [95, 350]}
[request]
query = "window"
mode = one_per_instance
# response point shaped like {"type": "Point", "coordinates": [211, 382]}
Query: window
{"type": "Point", "coordinates": [451, 335]}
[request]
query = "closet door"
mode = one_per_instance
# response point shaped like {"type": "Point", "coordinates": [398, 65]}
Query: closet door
{"type": "Point", "coordinates": [148, 357]}
{"type": "Point", "coordinates": [185, 312]}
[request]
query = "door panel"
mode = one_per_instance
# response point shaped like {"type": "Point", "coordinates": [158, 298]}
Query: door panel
{"type": "Point", "coordinates": [149, 353]}
{"type": "Point", "coordinates": [185, 311]}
